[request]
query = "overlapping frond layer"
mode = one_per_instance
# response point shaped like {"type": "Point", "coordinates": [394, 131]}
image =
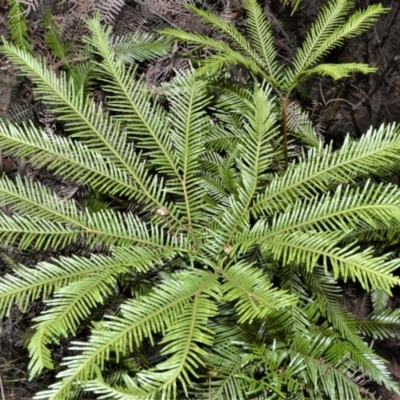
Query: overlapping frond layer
{"type": "Point", "coordinates": [318, 369]}
{"type": "Point", "coordinates": [228, 251]}
{"type": "Point", "coordinates": [83, 76]}
{"type": "Point", "coordinates": [330, 304]}
{"type": "Point", "coordinates": [26, 197]}
{"type": "Point", "coordinates": [87, 122]}
{"type": "Point", "coordinates": [228, 361]}
{"type": "Point", "coordinates": [125, 229]}
{"type": "Point", "coordinates": [130, 99]}
{"type": "Point", "coordinates": [323, 168]}
{"type": "Point", "coordinates": [254, 156]}
{"type": "Point", "coordinates": [361, 362]}
{"type": "Point", "coordinates": [72, 303]}
{"type": "Point", "coordinates": [189, 127]}
{"type": "Point", "coordinates": [62, 218]}
{"type": "Point", "coordinates": [226, 55]}
{"type": "Point", "coordinates": [158, 312]}
{"type": "Point", "coordinates": [70, 158]}
{"type": "Point", "coordinates": [255, 297]}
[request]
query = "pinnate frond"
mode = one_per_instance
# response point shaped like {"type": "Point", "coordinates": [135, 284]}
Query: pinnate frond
{"type": "Point", "coordinates": [374, 153]}
{"type": "Point", "coordinates": [254, 296]}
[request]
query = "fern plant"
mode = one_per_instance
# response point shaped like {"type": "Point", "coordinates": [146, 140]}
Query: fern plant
{"type": "Point", "coordinates": [236, 260]}
{"type": "Point", "coordinates": [259, 55]}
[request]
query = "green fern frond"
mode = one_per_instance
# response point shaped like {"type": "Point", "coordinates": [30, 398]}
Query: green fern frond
{"type": "Point", "coordinates": [54, 39]}
{"type": "Point", "coordinates": [337, 71]}
{"type": "Point", "coordinates": [83, 75]}
{"type": "Point", "coordinates": [139, 46]}
{"type": "Point", "coordinates": [329, 31]}
{"type": "Point", "coordinates": [26, 231]}
{"type": "Point", "coordinates": [379, 299]}
{"type": "Point", "coordinates": [373, 153]}
{"type": "Point", "coordinates": [86, 121]}
{"type": "Point", "coordinates": [347, 262]}
{"type": "Point", "coordinates": [260, 34]}
{"type": "Point", "coordinates": [181, 296]}
{"type": "Point", "coordinates": [315, 354]}
{"type": "Point", "coordinates": [381, 325]}
{"type": "Point", "coordinates": [330, 304]}
{"type": "Point", "coordinates": [104, 226]}
{"type": "Point", "coordinates": [64, 156]}
{"type": "Point", "coordinates": [365, 363]}
{"type": "Point", "coordinates": [72, 303]}
{"type": "Point", "coordinates": [17, 25]}
{"type": "Point", "coordinates": [341, 210]}
{"type": "Point", "coordinates": [254, 296]}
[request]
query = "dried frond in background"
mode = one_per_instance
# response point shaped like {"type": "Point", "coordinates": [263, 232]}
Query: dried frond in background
{"type": "Point", "coordinates": [109, 9]}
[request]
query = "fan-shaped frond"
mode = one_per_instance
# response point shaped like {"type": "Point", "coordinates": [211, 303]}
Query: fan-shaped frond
{"type": "Point", "coordinates": [329, 31]}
